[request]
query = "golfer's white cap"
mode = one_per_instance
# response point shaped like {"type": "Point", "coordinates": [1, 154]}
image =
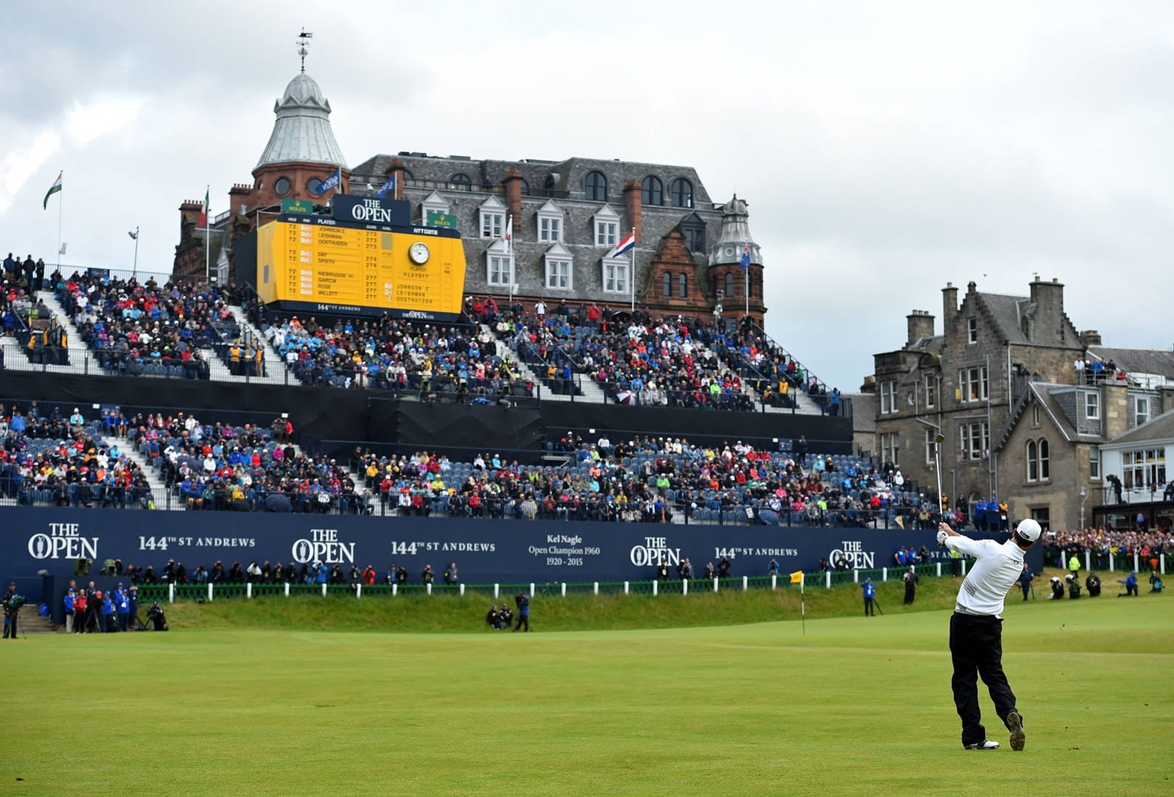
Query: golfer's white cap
{"type": "Point", "coordinates": [1028, 530]}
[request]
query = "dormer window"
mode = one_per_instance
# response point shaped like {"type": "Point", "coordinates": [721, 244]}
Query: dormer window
{"type": "Point", "coordinates": [606, 227]}
{"type": "Point", "coordinates": [433, 203]}
{"type": "Point", "coordinates": [558, 268]}
{"type": "Point", "coordinates": [492, 214]}
{"type": "Point", "coordinates": [595, 187]}
{"type": "Point", "coordinates": [499, 265]}
{"type": "Point", "coordinates": [550, 223]}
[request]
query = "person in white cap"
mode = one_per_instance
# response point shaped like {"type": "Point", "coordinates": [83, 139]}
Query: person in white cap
{"type": "Point", "coordinates": [976, 630]}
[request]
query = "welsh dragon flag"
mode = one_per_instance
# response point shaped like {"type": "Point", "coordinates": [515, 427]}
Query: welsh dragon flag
{"type": "Point", "coordinates": [53, 189]}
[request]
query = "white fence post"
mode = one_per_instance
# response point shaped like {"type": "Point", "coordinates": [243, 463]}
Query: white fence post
{"type": "Point", "coordinates": [249, 590]}
{"type": "Point", "coordinates": [684, 586]}
{"type": "Point", "coordinates": [596, 587]}
{"type": "Point", "coordinates": [963, 561]}
{"type": "Point", "coordinates": [429, 587]}
{"type": "Point", "coordinates": [394, 589]}
{"type": "Point", "coordinates": [286, 589]}
{"type": "Point", "coordinates": [323, 590]}
{"type": "Point", "coordinates": [884, 574]}
{"type": "Point", "coordinates": [496, 590]}
{"type": "Point", "coordinates": [1135, 560]}
{"type": "Point", "coordinates": [531, 589]}
{"type": "Point", "coordinates": [210, 591]}
{"type": "Point", "coordinates": [564, 589]}
{"type": "Point", "coordinates": [359, 590]}
{"type": "Point", "coordinates": [1111, 567]}
{"type": "Point", "coordinates": [171, 592]}
{"type": "Point", "coordinates": [856, 576]}
{"type": "Point", "coordinates": [654, 589]}
{"type": "Point", "coordinates": [827, 577]}
{"type": "Point", "coordinates": [462, 589]}
{"type": "Point", "coordinates": [1088, 561]}
{"type": "Point", "coordinates": [939, 569]}
{"type": "Point", "coordinates": [625, 587]}
{"type": "Point", "coordinates": [745, 583]}
{"type": "Point", "coordinates": [1162, 559]}
{"type": "Point", "coordinates": [774, 581]}
{"type": "Point", "coordinates": [715, 583]}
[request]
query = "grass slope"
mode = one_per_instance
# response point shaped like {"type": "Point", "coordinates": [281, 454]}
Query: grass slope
{"type": "Point", "coordinates": [855, 705]}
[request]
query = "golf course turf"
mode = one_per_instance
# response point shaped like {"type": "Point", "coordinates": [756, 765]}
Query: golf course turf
{"type": "Point", "coordinates": [852, 706]}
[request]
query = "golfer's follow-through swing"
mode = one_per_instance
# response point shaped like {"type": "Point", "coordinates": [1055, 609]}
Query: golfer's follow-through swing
{"type": "Point", "coordinates": [976, 632]}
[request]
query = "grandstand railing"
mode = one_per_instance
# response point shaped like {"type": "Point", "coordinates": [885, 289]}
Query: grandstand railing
{"type": "Point", "coordinates": [386, 588]}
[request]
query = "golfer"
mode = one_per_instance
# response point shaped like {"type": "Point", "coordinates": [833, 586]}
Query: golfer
{"type": "Point", "coordinates": [976, 633]}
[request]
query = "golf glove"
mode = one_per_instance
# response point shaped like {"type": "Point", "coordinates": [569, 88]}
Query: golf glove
{"type": "Point", "coordinates": [942, 536]}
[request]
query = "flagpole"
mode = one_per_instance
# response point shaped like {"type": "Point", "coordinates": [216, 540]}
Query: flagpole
{"type": "Point", "coordinates": [60, 203]}
{"type": "Point", "coordinates": [632, 273]}
{"type": "Point", "coordinates": [746, 281]}
{"type": "Point", "coordinates": [208, 237]}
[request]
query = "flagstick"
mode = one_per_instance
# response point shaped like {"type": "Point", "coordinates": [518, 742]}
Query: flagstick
{"type": "Point", "coordinates": [803, 603]}
{"type": "Point", "coordinates": [208, 238]}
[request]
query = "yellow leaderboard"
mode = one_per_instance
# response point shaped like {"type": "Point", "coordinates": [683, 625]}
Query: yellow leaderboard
{"type": "Point", "coordinates": [320, 264]}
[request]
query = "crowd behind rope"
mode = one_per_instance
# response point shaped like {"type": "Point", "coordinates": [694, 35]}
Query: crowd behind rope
{"type": "Point", "coordinates": [138, 327]}
{"type": "Point", "coordinates": [61, 459]}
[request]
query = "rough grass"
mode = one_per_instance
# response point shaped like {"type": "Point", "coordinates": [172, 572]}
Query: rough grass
{"type": "Point", "coordinates": [854, 705]}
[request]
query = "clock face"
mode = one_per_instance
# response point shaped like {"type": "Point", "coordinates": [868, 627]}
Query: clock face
{"type": "Point", "coordinates": [729, 252]}
{"type": "Point", "coordinates": [419, 254]}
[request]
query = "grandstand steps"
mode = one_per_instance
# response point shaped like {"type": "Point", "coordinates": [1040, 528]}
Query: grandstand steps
{"type": "Point", "coordinates": [154, 478]}
{"type": "Point", "coordinates": [591, 392]}
{"type": "Point", "coordinates": [275, 373]}
{"type": "Point", "coordinates": [75, 345]}
{"type": "Point", "coordinates": [32, 623]}
{"type": "Point", "coordinates": [805, 405]}
{"type": "Point", "coordinates": [16, 360]}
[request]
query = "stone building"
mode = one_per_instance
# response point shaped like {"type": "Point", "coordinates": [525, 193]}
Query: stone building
{"type": "Point", "coordinates": [1020, 423]}
{"type": "Point", "coordinates": [566, 219]}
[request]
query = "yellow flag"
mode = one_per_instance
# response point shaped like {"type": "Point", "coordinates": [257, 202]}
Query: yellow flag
{"type": "Point", "coordinates": [797, 577]}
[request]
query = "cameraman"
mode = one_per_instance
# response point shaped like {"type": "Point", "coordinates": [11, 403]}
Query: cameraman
{"type": "Point", "coordinates": [1025, 579]}
{"type": "Point", "coordinates": [1093, 583]}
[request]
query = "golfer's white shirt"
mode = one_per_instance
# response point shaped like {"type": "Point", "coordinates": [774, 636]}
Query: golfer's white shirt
{"type": "Point", "coordinates": [996, 570]}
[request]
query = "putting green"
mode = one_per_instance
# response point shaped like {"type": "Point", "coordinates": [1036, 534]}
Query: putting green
{"type": "Point", "coordinates": [856, 706]}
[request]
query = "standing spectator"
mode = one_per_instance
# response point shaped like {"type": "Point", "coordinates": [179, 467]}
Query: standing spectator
{"type": "Point", "coordinates": [122, 607]}
{"type": "Point", "coordinates": [1025, 580]}
{"type": "Point", "coordinates": [69, 596]}
{"type": "Point", "coordinates": [12, 604]}
{"type": "Point", "coordinates": [869, 597]}
{"type": "Point", "coordinates": [523, 603]}
{"type": "Point", "coordinates": [426, 576]}
{"type": "Point", "coordinates": [451, 576]}
{"type": "Point", "coordinates": [911, 578]}
{"type": "Point", "coordinates": [1074, 566]}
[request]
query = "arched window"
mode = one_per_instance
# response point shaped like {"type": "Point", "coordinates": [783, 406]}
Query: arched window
{"type": "Point", "coordinates": [1032, 461]}
{"type": "Point", "coordinates": [653, 191]}
{"type": "Point", "coordinates": [1045, 465]}
{"type": "Point", "coordinates": [729, 286]}
{"type": "Point", "coordinates": [595, 187]}
{"type": "Point", "coordinates": [461, 180]}
{"type": "Point", "coordinates": [525, 187]}
{"type": "Point", "coordinates": [681, 191]}
{"type": "Point", "coordinates": [682, 286]}
{"type": "Point", "coordinates": [667, 285]}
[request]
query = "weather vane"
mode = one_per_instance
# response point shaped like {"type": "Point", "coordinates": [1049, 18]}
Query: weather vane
{"type": "Point", "coordinates": [304, 46]}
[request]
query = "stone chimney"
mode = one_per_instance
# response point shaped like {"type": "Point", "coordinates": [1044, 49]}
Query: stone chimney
{"type": "Point", "coordinates": [513, 196]}
{"type": "Point", "coordinates": [1045, 317]}
{"type": "Point", "coordinates": [1115, 409]}
{"type": "Point", "coordinates": [633, 197]}
{"type": "Point", "coordinates": [396, 167]}
{"type": "Point", "coordinates": [1090, 337]}
{"type": "Point", "coordinates": [920, 326]}
{"type": "Point", "coordinates": [1166, 398]}
{"type": "Point", "coordinates": [949, 306]}
{"type": "Point", "coordinates": [238, 198]}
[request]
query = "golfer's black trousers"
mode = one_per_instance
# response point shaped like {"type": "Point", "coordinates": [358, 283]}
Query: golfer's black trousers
{"type": "Point", "coordinates": [976, 647]}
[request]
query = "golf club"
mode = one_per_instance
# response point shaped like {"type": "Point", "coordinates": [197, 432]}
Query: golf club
{"type": "Point", "coordinates": [937, 456]}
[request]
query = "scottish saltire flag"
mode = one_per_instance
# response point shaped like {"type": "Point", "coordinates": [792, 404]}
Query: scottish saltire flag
{"type": "Point", "coordinates": [388, 188]}
{"type": "Point", "coordinates": [745, 261]}
{"type": "Point", "coordinates": [629, 242]}
{"type": "Point", "coordinates": [333, 181]}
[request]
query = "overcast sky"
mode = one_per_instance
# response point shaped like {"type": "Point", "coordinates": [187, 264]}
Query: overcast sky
{"type": "Point", "coordinates": [884, 148]}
